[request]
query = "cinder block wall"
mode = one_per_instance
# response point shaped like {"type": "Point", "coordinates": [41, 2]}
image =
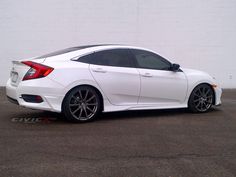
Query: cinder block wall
{"type": "Point", "coordinates": [198, 34]}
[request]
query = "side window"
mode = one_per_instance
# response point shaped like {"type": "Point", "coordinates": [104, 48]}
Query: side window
{"type": "Point", "coordinates": [149, 60]}
{"type": "Point", "coordinates": [114, 57]}
{"type": "Point", "coordinates": [86, 58]}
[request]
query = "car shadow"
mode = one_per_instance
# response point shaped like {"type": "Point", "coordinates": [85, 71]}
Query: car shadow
{"type": "Point", "coordinates": [142, 114]}
{"type": "Point", "coordinates": [167, 113]}
{"type": "Point", "coordinates": [51, 117]}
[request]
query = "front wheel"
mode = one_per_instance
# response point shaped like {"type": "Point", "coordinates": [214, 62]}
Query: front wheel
{"type": "Point", "coordinates": [201, 98]}
{"type": "Point", "coordinates": [82, 104]}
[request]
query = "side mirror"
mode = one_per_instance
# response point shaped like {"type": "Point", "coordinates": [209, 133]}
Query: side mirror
{"type": "Point", "coordinates": [175, 67]}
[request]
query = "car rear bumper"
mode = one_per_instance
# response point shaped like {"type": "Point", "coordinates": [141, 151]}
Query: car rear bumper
{"type": "Point", "coordinates": [50, 91]}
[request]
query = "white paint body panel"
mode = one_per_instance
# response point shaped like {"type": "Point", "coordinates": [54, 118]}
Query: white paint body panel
{"type": "Point", "coordinates": [121, 88]}
{"type": "Point", "coordinates": [121, 85]}
{"type": "Point", "coordinates": [158, 86]}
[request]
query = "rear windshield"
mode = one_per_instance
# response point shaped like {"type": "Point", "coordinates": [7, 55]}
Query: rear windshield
{"type": "Point", "coordinates": [67, 50]}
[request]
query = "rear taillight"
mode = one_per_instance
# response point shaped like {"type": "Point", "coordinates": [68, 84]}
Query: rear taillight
{"type": "Point", "coordinates": [36, 70]}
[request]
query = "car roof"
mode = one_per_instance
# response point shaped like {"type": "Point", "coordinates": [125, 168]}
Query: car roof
{"type": "Point", "coordinates": [73, 52]}
{"type": "Point", "coordinates": [67, 50]}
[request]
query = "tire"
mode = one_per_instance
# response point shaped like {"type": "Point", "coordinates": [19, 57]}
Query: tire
{"type": "Point", "coordinates": [82, 104]}
{"type": "Point", "coordinates": [201, 99]}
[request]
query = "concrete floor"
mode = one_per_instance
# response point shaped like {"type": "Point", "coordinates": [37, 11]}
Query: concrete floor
{"type": "Point", "coordinates": [164, 143]}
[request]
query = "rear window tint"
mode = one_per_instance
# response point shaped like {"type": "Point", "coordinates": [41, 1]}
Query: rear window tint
{"type": "Point", "coordinates": [67, 50]}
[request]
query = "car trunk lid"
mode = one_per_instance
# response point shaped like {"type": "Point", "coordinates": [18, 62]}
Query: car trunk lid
{"type": "Point", "coordinates": [17, 73]}
{"type": "Point", "coordinates": [19, 70]}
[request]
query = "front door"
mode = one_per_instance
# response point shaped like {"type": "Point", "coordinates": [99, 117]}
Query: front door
{"type": "Point", "coordinates": [159, 85]}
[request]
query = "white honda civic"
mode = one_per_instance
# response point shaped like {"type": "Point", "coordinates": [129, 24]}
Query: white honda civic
{"type": "Point", "coordinates": [83, 81]}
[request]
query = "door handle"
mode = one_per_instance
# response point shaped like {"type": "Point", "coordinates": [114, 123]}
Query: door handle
{"type": "Point", "coordinates": [146, 75]}
{"type": "Point", "coordinates": [99, 70]}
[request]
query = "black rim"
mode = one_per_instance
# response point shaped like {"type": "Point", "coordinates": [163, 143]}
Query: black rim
{"type": "Point", "coordinates": [83, 104]}
{"type": "Point", "coordinates": [202, 98]}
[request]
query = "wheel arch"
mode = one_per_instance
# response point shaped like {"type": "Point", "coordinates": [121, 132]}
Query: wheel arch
{"type": "Point", "coordinates": [88, 85]}
{"type": "Point", "coordinates": [204, 83]}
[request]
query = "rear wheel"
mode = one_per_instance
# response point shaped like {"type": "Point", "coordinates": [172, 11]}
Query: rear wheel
{"type": "Point", "coordinates": [82, 104]}
{"type": "Point", "coordinates": [201, 98]}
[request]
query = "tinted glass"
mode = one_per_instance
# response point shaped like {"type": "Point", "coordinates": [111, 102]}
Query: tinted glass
{"type": "Point", "coordinates": [149, 60]}
{"type": "Point", "coordinates": [114, 57]}
{"type": "Point", "coordinates": [86, 59]}
{"type": "Point", "coordinates": [67, 50]}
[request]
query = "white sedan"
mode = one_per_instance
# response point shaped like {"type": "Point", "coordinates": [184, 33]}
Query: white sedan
{"type": "Point", "coordinates": [83, 81]}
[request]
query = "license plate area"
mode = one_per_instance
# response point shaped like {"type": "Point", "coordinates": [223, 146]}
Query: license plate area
{"type": "Point", "coordinates": [14, 76]}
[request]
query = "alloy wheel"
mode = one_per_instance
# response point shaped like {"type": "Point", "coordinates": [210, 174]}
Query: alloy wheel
{"type": "Point", "coordinates": [202, 98]}
{"type": "Point", "coordinates": [83, 104]}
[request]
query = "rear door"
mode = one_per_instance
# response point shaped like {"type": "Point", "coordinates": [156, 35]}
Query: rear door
{"type": "Point", "coordinates": [114, 71]}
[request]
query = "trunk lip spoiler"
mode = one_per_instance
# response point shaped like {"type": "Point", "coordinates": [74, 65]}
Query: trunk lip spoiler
{"type": "Point", "coordinates": [42, 60]}
{"type": "Point", "coordinates": [16, 61]}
